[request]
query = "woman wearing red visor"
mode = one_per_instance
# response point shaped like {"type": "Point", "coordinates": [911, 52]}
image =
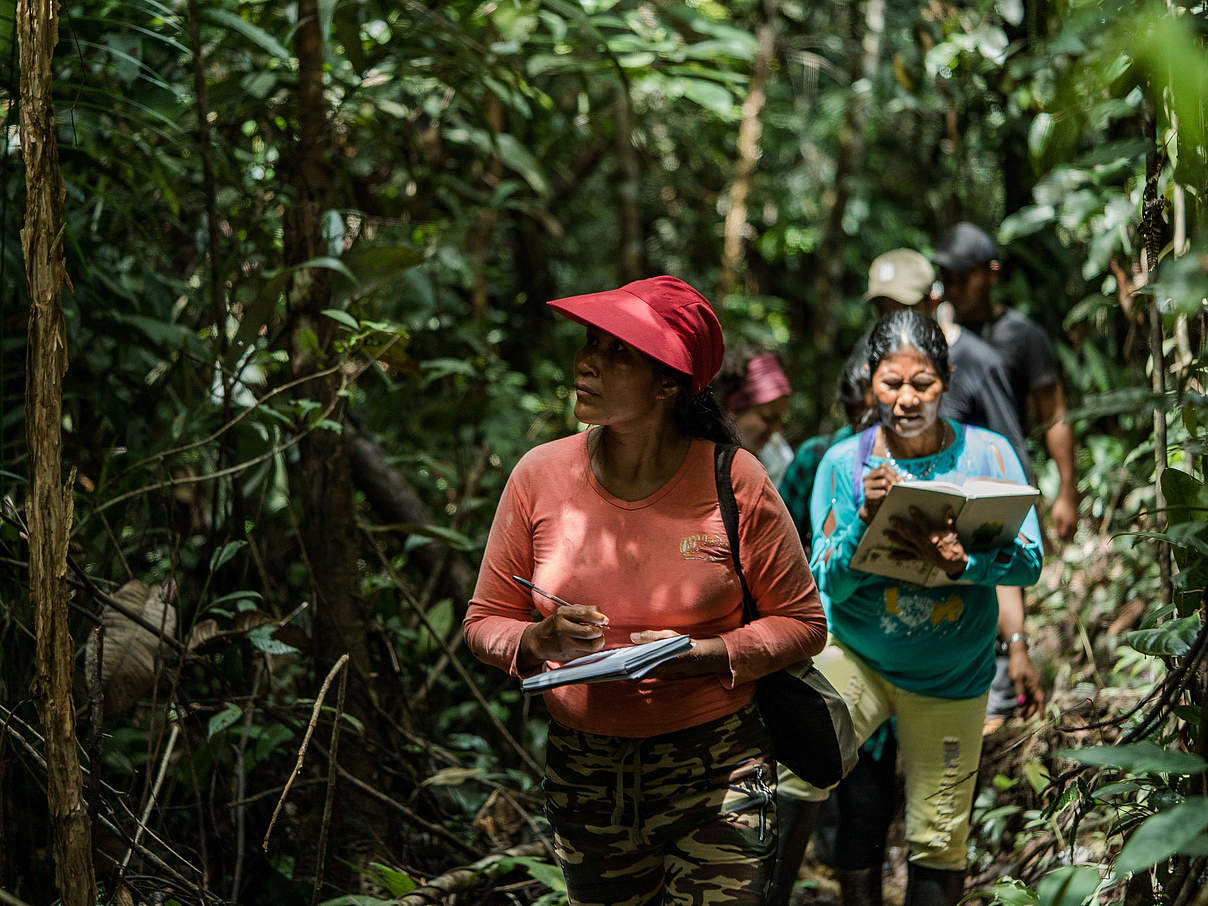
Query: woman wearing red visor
{"type": "Point", "coordinates": [659, 790]}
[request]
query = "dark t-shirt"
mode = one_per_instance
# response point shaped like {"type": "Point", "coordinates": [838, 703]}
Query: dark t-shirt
{"type": "Point", "coordinates": [980, 392]}
{"type": "Point", "coordinates": [1027, 352]}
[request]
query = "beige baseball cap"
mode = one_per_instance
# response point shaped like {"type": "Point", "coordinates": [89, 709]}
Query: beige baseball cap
{"type": "Point", "coordinates": [902, 275]}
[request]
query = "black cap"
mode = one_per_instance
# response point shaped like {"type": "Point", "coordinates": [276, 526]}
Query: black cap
{"type": "Point", "coordinates": [964, 247]}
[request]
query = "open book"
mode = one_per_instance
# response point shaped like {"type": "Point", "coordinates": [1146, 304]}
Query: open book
{"type": "Point", "coordinates": [989, 512]}
{"type": "Point", "coordinates": [631, 662]}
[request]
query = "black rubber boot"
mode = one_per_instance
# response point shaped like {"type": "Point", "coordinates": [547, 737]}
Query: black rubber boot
{"type": "Point", "coordinates": [795, 824]}
{"type": "Point", "coordinates": [933, 886]}
{"type": "Point", "coordinates": [860, 886]}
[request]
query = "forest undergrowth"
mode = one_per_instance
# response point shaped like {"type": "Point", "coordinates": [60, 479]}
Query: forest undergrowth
{"type": "Point", "coordinates": [308, 246]}
{"type": "Point", "coordinates": [220, 750]}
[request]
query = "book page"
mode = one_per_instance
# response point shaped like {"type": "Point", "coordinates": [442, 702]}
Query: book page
{"type": "Point", "coordinates": [997, 487]}
{"type": "Point", "coordinates": [932, 499]}
{"type": "Point", "coordinates": [989, 522]}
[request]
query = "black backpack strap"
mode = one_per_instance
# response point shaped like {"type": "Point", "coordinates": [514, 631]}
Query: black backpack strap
{"type": "Point", "coordinates": [723, 456]}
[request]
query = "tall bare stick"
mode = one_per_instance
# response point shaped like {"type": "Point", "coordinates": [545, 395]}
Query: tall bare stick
{"type": "Point", "coordinates": [332, 773]}
{"type": "Point", "coordinates": [1149, 229]}
{"type": "Point", "coordinates": [310, 729]}
{"type": "Point", "coordinates": [154, 797]}
{"type": "Point", "coordinates": [49, 507]}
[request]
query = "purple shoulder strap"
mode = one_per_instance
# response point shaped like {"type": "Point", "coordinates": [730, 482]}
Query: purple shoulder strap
{"type": "Point", "coordinates": [863, 451]}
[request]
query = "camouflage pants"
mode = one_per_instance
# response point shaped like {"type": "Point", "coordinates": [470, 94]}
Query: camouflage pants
{"type": "Point", "coordinates": [684, 818]}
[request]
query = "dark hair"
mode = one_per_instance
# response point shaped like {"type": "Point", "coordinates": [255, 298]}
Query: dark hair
{"type": "Point", "coordinates": [733, 370]}
{"type": "Point", "coordinates": [700, 415]}
{"type": "Point", "coordinates": [964, 247]}
{"type": "Point", "coordinates": [854, 382]}
{"type": "Point", "coordinates": [908, 328]}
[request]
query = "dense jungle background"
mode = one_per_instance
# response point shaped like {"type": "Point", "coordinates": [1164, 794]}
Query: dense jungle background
{"type": "Point", "coordinates": [307, 249]}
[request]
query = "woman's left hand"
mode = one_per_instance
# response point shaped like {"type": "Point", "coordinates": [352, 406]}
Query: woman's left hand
{"type": "Point", "coordinates": [924, 540]}
{"type": "Point", "coordinates": [1025, 680]}
{"type": "Point", "coordinates": [705, 656]}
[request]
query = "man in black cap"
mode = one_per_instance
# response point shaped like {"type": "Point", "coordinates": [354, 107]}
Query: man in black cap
{"type": "Point", "coordinates": [969, 268]}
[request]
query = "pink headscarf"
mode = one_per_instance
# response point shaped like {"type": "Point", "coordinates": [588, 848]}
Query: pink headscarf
{"type": "Point", "coordinates": [763, 382]}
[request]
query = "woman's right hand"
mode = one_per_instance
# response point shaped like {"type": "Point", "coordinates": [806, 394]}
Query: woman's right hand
{"type": "Point", "coordinates": [876, 485]}
{"type": "Point", "coordinates": [571, 631]}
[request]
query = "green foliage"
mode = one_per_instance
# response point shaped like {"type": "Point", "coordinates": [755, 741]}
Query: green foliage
{"type": "Point", "coordinates": [549, 875]}
{"type": "Point", "coordinates": [1160, 836]}
{"type": "Point", "coordinates": [1068, 886]}
{"type": "Point", "coordinates": [395, 881]}
{"type": "Point", "coordinates": [482, 159]}
{"type": "Point", "coordinates": [1140, 757]}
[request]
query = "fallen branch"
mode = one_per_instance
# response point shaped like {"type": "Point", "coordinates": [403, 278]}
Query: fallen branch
{"type": "Point", "coordinates": [9, 900]}
{"type": "Point", "coordinates": [439, 889]}
{"type": "Point", "coordinates": [397, 502]}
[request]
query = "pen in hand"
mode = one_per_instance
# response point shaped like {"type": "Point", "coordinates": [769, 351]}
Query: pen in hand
{"type": "Point", "coordinates": [559, 601]}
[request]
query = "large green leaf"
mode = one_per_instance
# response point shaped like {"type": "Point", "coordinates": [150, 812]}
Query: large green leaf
{"type": "Point", "coordinates": [1011, 892]}
{"type": "Point", "coordinates": [1069, 885]}
{"type": "Point", "coordinates": [518, 157]}
{"type": "Point", "coordinates": [442, 619]}
{"type": "Point", "coordinates": [1187, 518]}
{"type": "Point", "coordinates": [549, 875]}
{"type": "Point", "coordinates": [225, 553]}
{"type": "Point", "coordinates": [740, 46]}
{"type": "Point", "coordinates": [1140, 757]}
{"type": "Point", "coordinates": [253, 33]}
{"type": "Point", "coordinates": [1171, 639]}
{"type": "Point", "coordinates": [223, 719]}
{"type": "Point", "coordinates": [713, 97]}
{"type": "Point", "coordinates": [397, 882]}
{"type": "Point", "coordinates": [1026, 221]}
{"type": "Point", "coordinates": [1162, 835]}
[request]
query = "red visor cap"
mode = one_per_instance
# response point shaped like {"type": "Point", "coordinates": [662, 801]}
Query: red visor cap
{"type": "Point", "coordinates": [663, 317]}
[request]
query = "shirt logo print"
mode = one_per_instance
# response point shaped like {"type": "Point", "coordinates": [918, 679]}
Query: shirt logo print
{"type": "Point", "coordinates": [704, 546]}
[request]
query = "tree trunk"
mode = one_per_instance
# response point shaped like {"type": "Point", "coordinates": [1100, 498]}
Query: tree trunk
{"type": "Point", "coordinates": [864, 41]}
{"type": "Point", "coordinates": [749, 133]}
{"type": "Point", "coordinates": [1017, 176]}
{"type": "Point", "coordinates": [323, 484]}
{"type": "Point", "coordinates": [49, 507]}
{"type": "Point", "coordinates": [629, 186]}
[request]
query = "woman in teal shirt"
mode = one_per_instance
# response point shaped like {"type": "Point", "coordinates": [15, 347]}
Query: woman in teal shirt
{"type": "Point", "coordinates": [924, 655]}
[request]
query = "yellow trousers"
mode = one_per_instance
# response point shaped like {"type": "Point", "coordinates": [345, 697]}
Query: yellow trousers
{"type": "Point", "coordinates": [939, 744]}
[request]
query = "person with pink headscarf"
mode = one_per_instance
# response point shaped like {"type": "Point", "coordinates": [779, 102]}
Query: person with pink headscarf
{"type": "Point", "coordinates": [752, 386]}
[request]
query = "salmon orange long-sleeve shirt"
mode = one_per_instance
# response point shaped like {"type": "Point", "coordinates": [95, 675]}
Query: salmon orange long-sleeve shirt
{"type": "Point", "coordinates": [662, 562]}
